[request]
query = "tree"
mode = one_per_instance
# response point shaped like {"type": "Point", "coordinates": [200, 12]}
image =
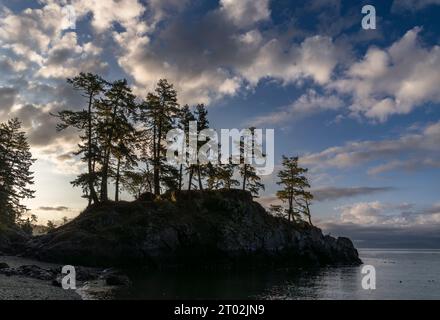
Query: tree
{"type": "Point", "coordinates": [221, 176]}
{"type": "Point", "coordinates": [251, 181]}
{"type": "Point", "coordinates": [114, 110]}
{"type": "Point", "coordinates": [50, 226]}
{"type": "Point", "coordinates": [159, 111]}
{"type": "Point", "coordinates": [91, 87]}
{"type": "Point", "coordinates": [303, 201]}
{"type": "Point", "coordinates": [201, 115]}
{"type": "Point", "coordinates": [15, 174]}
{"type": "Point", "coordinates": [137, 182]}
{"type": "Point", "coordinates": [185, 117]}
{"type": "Point", "coordinates": [292, 178]}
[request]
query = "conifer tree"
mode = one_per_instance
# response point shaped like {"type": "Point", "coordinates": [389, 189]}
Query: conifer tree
{"type": "Point", "coordinates": [292, 178]}
{"type": "Point", "coordinates": [15, 174]}
{"type": "Point", "coordinates": [185, 117]}
{"type": "Point", "coordinates": [251, 181]}
{"type": "Point", "coordinates": [115, 111]}
{"type": "Point", "coordinates": [160, 111]}
{"type": "Point", "coordinates": [201, 115]}
{"type": "Point", "coordinates": [91, 87]}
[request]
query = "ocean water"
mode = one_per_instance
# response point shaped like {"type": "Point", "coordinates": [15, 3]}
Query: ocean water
{"type": "Point", "coordinates": [400, 274]}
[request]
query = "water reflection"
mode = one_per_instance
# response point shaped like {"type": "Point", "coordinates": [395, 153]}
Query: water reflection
{"type": "Point", "coordinates": [401, 274]}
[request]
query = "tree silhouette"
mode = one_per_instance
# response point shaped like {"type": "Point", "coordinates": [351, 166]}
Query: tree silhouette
{"type": "Point", "coordinates": [185, 117]}
{"type": "Point", "coordinates": [15, 174]}
{"type": "Point", "coordinates": [114, 110]}
{"type": "Point", "coordinates": [91, 87]}
{"type": "Point", "coordinates": [294, 182]}
{"type": "Point", "coordinates": [159, 110]}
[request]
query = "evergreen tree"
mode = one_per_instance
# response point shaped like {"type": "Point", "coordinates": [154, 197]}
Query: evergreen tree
{"type": "Point", "coordinates": [137, 182]}
{"type": "Point", "coordinates": [15, 175]}
{"type": "Point", "coordinates": [251, 181]}
{"type": "Point", "coordinates": [201, 115]}
{"type": "Point", "coordinates": [160, 111]}
{"type": "Point", "coordinates": [292, 178]}
{"type": "Point", "coordinates": [185, 117]}
{"type": "Point", "coordinates": [91, 87]}
{"type": "Point", "coordinates": [115, 111]}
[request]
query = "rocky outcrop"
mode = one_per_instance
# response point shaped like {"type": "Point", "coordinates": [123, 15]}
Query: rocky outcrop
{"type": "Point", "coordinates": [191, 229]}
{"type": "Point", "coordinates": [12, 239]}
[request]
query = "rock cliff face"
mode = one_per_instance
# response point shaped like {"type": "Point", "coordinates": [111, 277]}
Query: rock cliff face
{"type": "Point", "coordinates": [190, 229]}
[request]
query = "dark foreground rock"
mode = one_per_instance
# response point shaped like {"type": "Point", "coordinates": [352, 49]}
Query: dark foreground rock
{"type": "Point", "coordinates": [191, 229]}
{"type": "Point", "coordinates": [48, 274]}
{"type": "Point", "coordinates": [12, 239]}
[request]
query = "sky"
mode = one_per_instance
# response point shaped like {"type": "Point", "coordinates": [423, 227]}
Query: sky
{"type": "Point", "coordinates": [359, 107]}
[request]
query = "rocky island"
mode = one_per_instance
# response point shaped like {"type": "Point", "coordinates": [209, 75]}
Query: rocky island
{"type": "Point", "coordinates": [223, 228]}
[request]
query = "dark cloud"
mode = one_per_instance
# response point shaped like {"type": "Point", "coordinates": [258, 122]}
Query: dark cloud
{"type": "Point", "coordinates": [54, 208]}
{"type": "Point", "coordinates": [7, 97]}
{"type": "Point", "coordinates": [65, 157]}
{"type": "Point", "coordinates": [41, 125]}
{"type": "Point", "coordinates": [334, 193]}
{"type": "Point", "coordinates": [417, 236]}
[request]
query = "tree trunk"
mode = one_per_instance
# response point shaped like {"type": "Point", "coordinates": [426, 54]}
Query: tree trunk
{"type": "Point", "coordinates": [157, 161]}
{"type": "Point", "coordinates": [180, 177]}
{"type": "Point", "coordinates": [118, 175]}
{"type": "Point", "coordinates": [244, 177]}
{"type": "Point", "coordinates": [200, 177]}
{"type": "Point", "coordinates": [107, 154]}
{"type": "Point", "coordinates": [308, 213]}
{"type": "Point", "coordinates": [92, 196]}
{"type": "Point", "coordinates": [190, 177]}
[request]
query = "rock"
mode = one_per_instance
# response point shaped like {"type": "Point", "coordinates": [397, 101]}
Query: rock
{"type": "Point", "coordinates": [114, 277]}
{"type": "Point", "coordinates": [30, 271]}
{"type": "Point", "coordinates": [192, 229]}
{"type": "Point", "coordinates": [57, 282]}
{"type": "Point", "coordinates": [4, 265]}
{"type": "Point", "coordinates": [117, 280]}
{"type": "Point", "coordinates": [12, 240]}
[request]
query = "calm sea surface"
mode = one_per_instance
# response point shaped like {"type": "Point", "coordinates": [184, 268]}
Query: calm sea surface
{"type": "Point", "coordinates": [400, 274]}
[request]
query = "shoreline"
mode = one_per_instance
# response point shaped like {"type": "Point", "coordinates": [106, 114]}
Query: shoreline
{"type": "Point", "coordinates": [21, 287]}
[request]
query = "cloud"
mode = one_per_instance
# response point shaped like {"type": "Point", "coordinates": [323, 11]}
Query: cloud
{"type": "Point", "coordinates": [377, 224]}
{"type": "Point", "coordinates": [61, 208]}
{"type": "Point", "coordinates": [245, 12]}
{"type": "Point", "coordinates": [210, 58]}
{"type": "Point", "coordinates": [419, 149]}
{"type": "Point", "coordinates": [405, 165]}
{"type": "Point", "coordinates": [314, 58]}
{"type": "Point", "coordinates": [366, 213]}
{"type": "Point", "coordinates": [329, 194]}
{"type": "Point", "coordinates": [7, 97]}
{"type": "Point", "coordinates": [334, 193]}
{"type": "Point", "coordinates": [387, 236]}
{"type": "Point", "coordinates": [411, 5]}
{"type": "Point", "coordinates": [307, 104]}
{"type": "Point", "coordinates": [66, 58]}
{"type": "Point", "coordinates": [45, 24]}
{"type": "Point", "coordinates": [105, 13]}
{"type": "Point", "coordinates": [392, 81]}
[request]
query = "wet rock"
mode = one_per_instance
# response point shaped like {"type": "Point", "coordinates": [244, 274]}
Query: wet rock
{"type": "Point", "coordinates": [4, 265]}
